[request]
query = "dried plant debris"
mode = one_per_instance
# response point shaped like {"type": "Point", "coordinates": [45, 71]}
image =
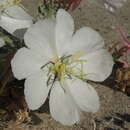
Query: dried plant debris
{"type": "Point", "coordinates": [121, 49]}
{"type": "Point", "coordinates": [116, 121]}
{"type": "Point", "coordinates": [11, 97]}
{"type": "Point", "coordinates": [121, 54]}
{"type": "Point", "coordinates": [112, 5]}
{"type": "Point", "coordinates": [13, 105]}
{"type": "Point", "coordinates": [6, 75]}
{"type": "Point", "coordinates": [123, 79]}
{"type": "Point", "coordinates": [22, 116]}
{"type": "Point", "coordinates": [48, 8]}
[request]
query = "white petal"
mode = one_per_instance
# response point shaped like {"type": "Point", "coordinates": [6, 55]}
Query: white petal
{"type": "Point", "coordinates": [2, 2]}
{"type": "Point", "coordinates": [62, 107]}
{"type": "Point", "coordinates": [40, 38]}
{"type": "Point", "coordinates": [85, 39]}
{"type": "Point", "coordinates": [2, 42]}
{"type": "Point", "coordinates": [99, 65]}
{"type": "Point", "coordinates": [25, 63]}
{"type": "Point", "coordinates": [64, 28]}
{"type": "Point", "coordinates": [85, 96]}
{"type": "Point", "coordinates": [17, 13]}
{"type": "Point", "coordinates": [15, 18]}
{"type": "Point", "coordinates": [36, 90]}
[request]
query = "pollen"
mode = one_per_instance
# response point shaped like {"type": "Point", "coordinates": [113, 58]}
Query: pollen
{"type": "Point", "coordinates": [8, 3]}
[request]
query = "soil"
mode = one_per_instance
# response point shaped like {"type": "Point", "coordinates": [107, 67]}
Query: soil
{"type": "Point", "coordinates": [114, 113]}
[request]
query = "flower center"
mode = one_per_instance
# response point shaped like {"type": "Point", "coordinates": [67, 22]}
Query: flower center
{"type": "Point", "coordinates": [7, 3]}
{"type": "Point", "coordinates": [66, 67]}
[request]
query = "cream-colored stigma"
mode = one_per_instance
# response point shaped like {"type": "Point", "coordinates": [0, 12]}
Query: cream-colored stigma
{"type": "Point", "coordinates": [8, 3]}
{"type": "Point", "coordinates": [68, 67]}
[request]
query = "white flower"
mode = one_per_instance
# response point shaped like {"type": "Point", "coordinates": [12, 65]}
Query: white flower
{"type": "Point", "coordinates": [13, 17]}
{"type": "Point", "coordinates": [2, 42]}
{"type": "Point", "coordinates": [56, 62]}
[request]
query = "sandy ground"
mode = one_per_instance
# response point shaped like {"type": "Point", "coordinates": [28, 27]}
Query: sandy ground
{"type": "Point", "coordinates": [114, 113]}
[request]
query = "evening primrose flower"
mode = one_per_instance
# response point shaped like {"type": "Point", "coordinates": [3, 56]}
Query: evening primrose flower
{"type": "Point", "coordinates": [13, 16]}
{"type": "Point", "coordinates": [57, 62]}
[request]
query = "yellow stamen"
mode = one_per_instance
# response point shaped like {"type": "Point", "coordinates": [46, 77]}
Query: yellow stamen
{"type": "Point", "coordinates": [9, 3]}
{"type": "Point", "coordinates": [71, 66]}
